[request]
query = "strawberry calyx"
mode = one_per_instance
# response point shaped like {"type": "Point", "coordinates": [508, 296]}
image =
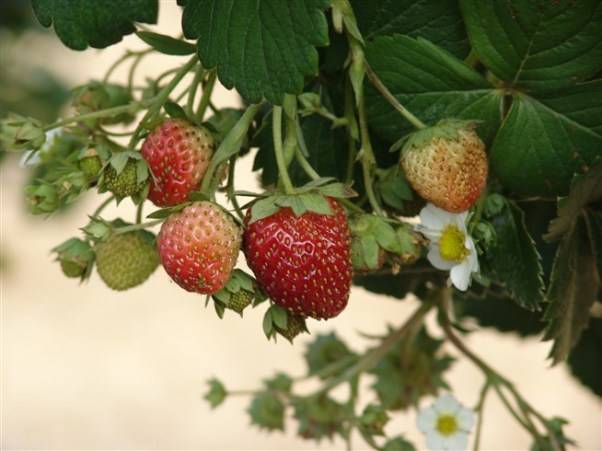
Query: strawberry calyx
{"type": "Point", "coordinates": [444, 129]}
{"type": "Point", "coordinates": [308, 198]}
{"type": "Point", "coordinates": [373, 238]}
{"type": "Point", "coordinates": [240, 292]}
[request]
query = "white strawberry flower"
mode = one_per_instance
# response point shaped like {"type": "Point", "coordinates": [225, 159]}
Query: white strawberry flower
{"type": "Point", "coordinates": [446, 424]}
{"type": "Point", "coordinates": [451, 248]}
{"type": "Point", "coordinates": [32, 157]}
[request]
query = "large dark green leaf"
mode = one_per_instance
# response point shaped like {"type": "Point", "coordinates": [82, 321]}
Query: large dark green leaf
{"type": "Point", "coordinates": [585, 361]}
{"type": "Point", "coordinates": [541, 144]}
{"type": "Point", "coordinates": [574, 287]}
{"type": "Point", "coordinates": [439, 21]}
{"type": "Point", "coordinates": [534, 43]}
{"type": "Point", "coordinates": [79, 23]}
{"type": "Point", "coordinates": [493, 307]}
{"type": "Point", "coordinates": [431, 83]}
{"type": "Point", "coordinates": [514, 258]}
{"type": "Point", "coordinates": [263, 48]}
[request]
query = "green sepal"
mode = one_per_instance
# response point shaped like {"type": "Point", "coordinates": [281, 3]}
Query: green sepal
{"type": "Point", "coordinates": [166, 212]}
{"type": "Point", "coordinates": [444, 129]}
{"type": "Point", "coordinates": [166, 44]}
{"type": "Point", "coordinates": [76, 258]}
{"type": "Point", "coordinates": [216, 394]}
{"type": "Point", "coordinates": [175, 111]}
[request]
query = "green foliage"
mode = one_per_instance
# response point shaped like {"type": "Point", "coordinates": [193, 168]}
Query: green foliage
{"type": "Point", "coordinates": [320, 418]}
{"type": "Point", "coordinates": [514, 260]}
{"type": "Point", "coordinates": [450, 89]}
{"type": "Point", "coordinates": [585, 361]}
{"type": "Point", "coordinates": [327, 352]}
{"type": "Point", "coordinates": [438, 21]}
{"type": "Point", "coordinates": [536, 45]}
{"type": "Point", "coordinates": [410, 371]}
{"type": "Point", "coordinates": [575, 279]}
{"type": "Point", "coordinates": [267, 411]}
{"type": "Point", "coordinates": [216, 394]}
{"type": "Point", "coordinates": [271, 44]}
{"type": "Point", "coordinates": [79, 23]}
{"type": "Point", "coordinates": [494, 307]}
{"type": "Point", "coordinates": [166, 44]}
{"type": "Point", "coordinates": [543, 142]}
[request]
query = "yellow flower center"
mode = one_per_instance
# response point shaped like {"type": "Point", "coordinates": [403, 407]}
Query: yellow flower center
{"type": "Point", "coordinates": [451, 244]}
{"type": "Point", "coordinates": [447, 425]}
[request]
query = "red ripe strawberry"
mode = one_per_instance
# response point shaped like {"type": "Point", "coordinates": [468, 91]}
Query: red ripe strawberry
{"type": "Point", "coordinates": [302, 262]}
{"type": "Point", "coordinates": [198, 247]}
{"type": "Point", "coordinates": [177, 153]}
{"type": "Point", "coordinates": [447, 165]}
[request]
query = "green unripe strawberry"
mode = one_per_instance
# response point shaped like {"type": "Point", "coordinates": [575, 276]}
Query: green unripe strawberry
{"type": "Point", "coordinates": [125, 183]}
{"type": "Point", "coordinates": [90, 164]}
{"type": "Point", "coordinates": [239, 301]}
{"type": "Point", "coordinates": [75, 257]}
{"type": "Point", "coordinates": [294, 326]}
{"type": "Point", "coordinates": [126, 260]}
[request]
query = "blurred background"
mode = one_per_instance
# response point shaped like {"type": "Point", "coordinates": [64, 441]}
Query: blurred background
{"type": "Point", "coordinates": [87, 368]}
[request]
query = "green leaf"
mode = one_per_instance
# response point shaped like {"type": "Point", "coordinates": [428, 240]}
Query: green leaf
{"type": "Point", "coordinates": [430, 82]}
{"type": "Point", "coordinates": [319, 418]}
{"type": "Point", "coordinates": [411, 371]}
{"type": "Point", "coordinates": [263, 208]}
{"type": "Point", "coordinates": [541, 144]}
{"type": "Point", "coordinates": [573, 289]}
{"type": "Point", "coordinates": [174, 110]}
{"type": "Point", "coordinates": [281, 382]}
{"type": "Point", "coordinates": [267, 412]}
{"type": "Point", "coordinates": [538, 45]}
{"type": "Point", "coordinates": [398, 444]}
{"type": "Point", "coordinates": [493, 307]}
{"type": "Point", "coordinates": [514, 258]}
{"type": "Point", "coordinates": [585, 361]}
{"type": "Point", "coordinates": [279, 316]}
{"type": "Point", "coordinates": [216, 394]}
{"type": "Point", "coordinates": [325, 351]}
{"type": "Point", "coordinates": [316, 203]}
{"type": "Point", "coordinates": [585, 189]}
{"type": "Point", "coordinates": [79, 23]}
{"type": "Point", "coordinates": [438, 21]}
{"type": "Point", "coordinates": [263, 48]}
{"type": "Point", "coordinates": [166, 44]}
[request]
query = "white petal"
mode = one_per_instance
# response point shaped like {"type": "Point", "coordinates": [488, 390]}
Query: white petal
{"type": "Point", "coordinates": [27, 159]}
{"type": "Point", "coordinates": [447, 404]}
{"type": "Point", "coordinates": [435, 442]}
{"type": "Point", "coordinates": [436, 260]}
{"type": "Point", "coordinates": [456, 442]}
{"type": "Point", "coordinates": [432, 234]}
{"type": "Point", "coordinates": [434, 218]}
{"type": "Point", "coordinates": [460, 275]}
{"type": "Point", "coordinates": [427, 420]}
{"type": "Point", "coordinates": [465, 419]}
{"type": "Point", "coordinates": [460, 220]}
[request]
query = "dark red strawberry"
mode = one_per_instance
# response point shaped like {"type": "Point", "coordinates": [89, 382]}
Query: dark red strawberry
{"type": "Point", "coordinates": [198, 247]}
{"type": "Point", "coordinates": [302, 262]}
{"type": "Point", "coordinates": [177, 153]}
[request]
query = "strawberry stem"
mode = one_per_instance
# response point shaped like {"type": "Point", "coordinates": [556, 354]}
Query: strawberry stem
{"type": "Point", "coordinates": [161, 98]}
{"type": "Point", "coordinates": [283, 175]}
{"type": "Point", "coordinates": [379, 85]}
{"type": "Point", "coordinates": [368, 159]}
{"type": "Point", "coordinates": [193, 89]}
{"type": "Point", "coordinates": [141, 226]}
{"type": "Point", "coordinates": [206, 97]}
{"type": "Point", "coordinates": [102, 206]}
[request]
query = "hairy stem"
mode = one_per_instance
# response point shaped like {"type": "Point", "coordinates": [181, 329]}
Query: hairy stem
{"type": "Point", "coordinates": [141, 226]}
{"type": "Point", "coordinates": [479, 410]}
{"type": "Point", "coordinates": [372, 357]}
{"type": "Point", "coordinates": [206, 97]}
{"type": "Point", "coordinates": [161, 98]}
{"type": "Point", "coordinates": [198, 76]}
{"type": "Point", "coordinates": [380, 87]}
{"type": "Point", "coordinates": [368, 160]}
{"type": "Point", "coordinates": [278, 150]}
{"type": "Point", "coordinates": [232, 189]}
{"type": "Point", "coordinates": [102, 206]}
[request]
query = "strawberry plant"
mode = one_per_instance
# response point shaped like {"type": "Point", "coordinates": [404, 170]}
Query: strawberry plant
{"type": "Point", "coordinates": [446, 150]}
